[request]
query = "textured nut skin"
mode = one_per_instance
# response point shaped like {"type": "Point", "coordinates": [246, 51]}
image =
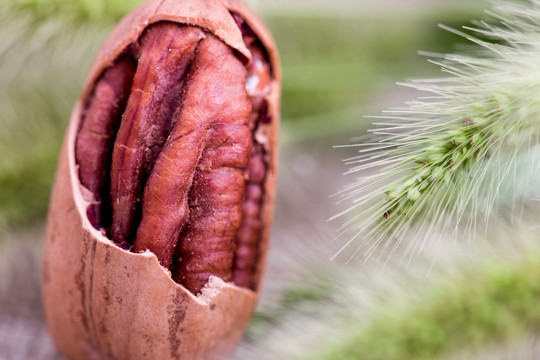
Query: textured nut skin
{"type": "Point", "coordinates": [103, 302]}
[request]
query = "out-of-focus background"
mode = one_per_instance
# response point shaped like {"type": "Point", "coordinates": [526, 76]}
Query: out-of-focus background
{"type": "Point", "coordinates": [341, 59]}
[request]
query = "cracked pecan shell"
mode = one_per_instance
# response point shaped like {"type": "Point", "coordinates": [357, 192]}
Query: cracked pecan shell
{"type": "Point", "coordinates": [160, 214]}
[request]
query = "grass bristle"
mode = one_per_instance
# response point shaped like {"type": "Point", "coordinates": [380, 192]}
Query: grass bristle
{"type": "Point", "coordinates": [463, 152]}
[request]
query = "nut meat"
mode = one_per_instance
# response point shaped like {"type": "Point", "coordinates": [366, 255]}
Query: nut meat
{"type": "Point", "coordinates": [160, 214]}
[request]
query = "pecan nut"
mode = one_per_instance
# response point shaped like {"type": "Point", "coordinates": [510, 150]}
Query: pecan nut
{"type": "Point", "coordinates": [161, 211]}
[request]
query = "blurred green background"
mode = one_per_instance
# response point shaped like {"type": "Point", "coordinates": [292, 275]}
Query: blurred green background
{"type": "Point", "coordinates": [338, 66]}
{"type": "Point", "coordinates": [340, 60]}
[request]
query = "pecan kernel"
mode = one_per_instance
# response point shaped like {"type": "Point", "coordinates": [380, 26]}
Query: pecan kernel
{"type": "Point", "coordinates": [183, 154]}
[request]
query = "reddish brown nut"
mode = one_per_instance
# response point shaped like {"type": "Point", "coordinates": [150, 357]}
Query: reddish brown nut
{"type": "Point", "coordinates": [160, 214]}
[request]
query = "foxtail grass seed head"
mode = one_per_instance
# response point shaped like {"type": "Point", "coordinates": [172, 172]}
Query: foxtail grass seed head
{"type": "Point", "coordinates": [467, 151]}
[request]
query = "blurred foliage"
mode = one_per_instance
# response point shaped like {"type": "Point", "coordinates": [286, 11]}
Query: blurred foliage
{"type": "Point", "coordinates": [42, 68]}
{"type": "Point", "coordinates": [93, 10]}
{"type": "Point", "coordinates": [333, 63]}
{"type": "Point", "coordinates": [336, 70]}
{"type": "Point", "coordinates": [496, 303]}
{"type": "Point", "coordinates": [301, 298]}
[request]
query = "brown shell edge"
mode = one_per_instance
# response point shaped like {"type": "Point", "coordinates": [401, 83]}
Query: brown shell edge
{"type": "Point", "coordinates": [102, 301]}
